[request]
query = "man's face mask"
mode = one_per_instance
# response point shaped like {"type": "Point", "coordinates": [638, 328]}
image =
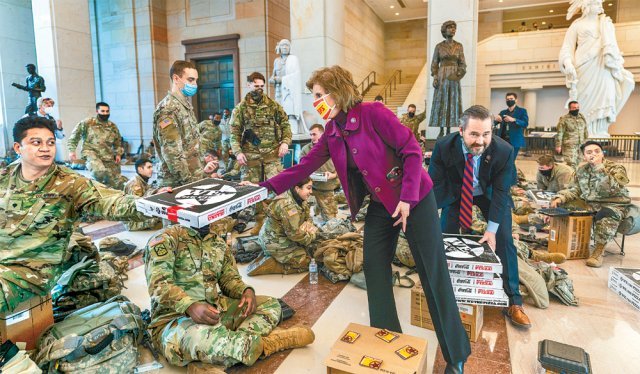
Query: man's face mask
{"type": "Point", "coordinates": [574, 112]}
{"type": "Point", "coordinates": [411, 114]}
{"type": "Point", "coordinates": [216, 122]}
{"type": "Point", "coordinates": [323, 108]}
{"type": "Point", "coordinates": [511, 103]}
{"type": "Point", "coordinates": [103, 117]}
{"type": "Point", "coordinates": [48, 110]}
{"type": "Point", "coordinates": [546, 173]}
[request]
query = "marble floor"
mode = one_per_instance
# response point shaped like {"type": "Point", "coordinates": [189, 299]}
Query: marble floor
{"type": "Point", "coordinates": [603, 324]}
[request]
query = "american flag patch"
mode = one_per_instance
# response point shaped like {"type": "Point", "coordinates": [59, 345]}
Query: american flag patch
{"type": "Point", "coordinates": [165, 122]}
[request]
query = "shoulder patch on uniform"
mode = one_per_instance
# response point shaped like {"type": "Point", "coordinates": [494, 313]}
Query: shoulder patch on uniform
{"type": "Point", "coordinates": [165, 122]}
{"type": "Point", "coordinates": [160, 250]}
{"type": "Point", "coordinates": [292, 212]}
{"type": "Point", "coordinates": [155, 241]}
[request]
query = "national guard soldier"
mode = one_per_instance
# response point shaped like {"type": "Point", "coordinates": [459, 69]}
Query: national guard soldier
{"type": "Point", "coordinates": [323, 191]}
{"type": "Point", "coordinates": [139, 186]}
{"type": "Point", "coordinates": [39, 204]}
{"type": "Point", "coordinates": [413, 121]}
{"type": "Point", "coordinates": [211, 135]}
{"type": "Point", "coordinates": [600, 184]}
{"type": "Point", "coordinates": [572, 131]}
{"type": "Point", "coordinates": [551, 176]}
{"type": "Point", "coordinates": [175, 129]}
{"type": "Point", "coordinates": [260, 135]}
{"type": "Point", "coordinates": [101, 147]}
{"type": "Point", "coordinates": [191, 321]}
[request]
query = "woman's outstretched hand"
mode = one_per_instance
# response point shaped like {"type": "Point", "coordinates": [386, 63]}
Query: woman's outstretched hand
{"type": "Point", "coordinates": [403, 210]}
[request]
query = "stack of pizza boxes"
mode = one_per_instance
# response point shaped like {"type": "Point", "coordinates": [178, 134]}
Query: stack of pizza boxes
{"type": "Point", "coordinates": [626, 283]}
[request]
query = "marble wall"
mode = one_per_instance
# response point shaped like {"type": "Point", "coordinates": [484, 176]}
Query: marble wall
{"type": "Point", "coordinates": [405, 48]}
{"type": "Point", "coordinates": [364, 41]}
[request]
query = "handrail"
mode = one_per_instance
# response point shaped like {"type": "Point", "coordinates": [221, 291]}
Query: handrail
{"type": "Point", "coordinates": [391, 85]}
{"type": "Point", "coordinates": [362, 87]}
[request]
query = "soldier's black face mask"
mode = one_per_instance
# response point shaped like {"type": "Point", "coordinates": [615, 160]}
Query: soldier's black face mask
{"type": "Point", "coordinates": [546, 173]}
{"type": "Point", "coordinates": [257, 94]}
{"type": "Point", "coordinates": [216, 122]}
{"type": "Point", "coordinates": [203, 231]}
{"type": "Point", "coordinates": [574, 112]}
{"type": "Point", "coordinates": [411, 114]}
{"type": "Point", "coordinates": [103, 117]}
{"type": "Point", "coordinates": [511, 103]}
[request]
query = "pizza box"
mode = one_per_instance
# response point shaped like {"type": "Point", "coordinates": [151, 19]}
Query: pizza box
{"type": "Point", "coordinates": [200, 203]}
{"type": "Point", "coordinates": [541, 198]}
{"type": "Point", "coordinates": [629, 276]}
{"type": "Point", "coordinates": [483, 293]}
{"type": "Point", "coordinates": [495, 282]}
{"type": "Point", "coordinates": [318, 177]}
{"type": "Point", "coordinates": [471, 274]}
{"type": "Point", "coordinates": [621, 291]}
{"type": "Point", "coordinates": [465, 253]}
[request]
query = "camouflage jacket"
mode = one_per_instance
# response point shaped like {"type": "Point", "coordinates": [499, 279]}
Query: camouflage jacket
{"type": "Point", "coordinates": [604, 184]}
{"type": "Point", "coordinates": [101, 140]}
{"type": "Point", "coordinates": [210, 137]}
{"type": "Point", "coordinates": [558, 180]}
{"type": "Point", "coordinates": [282, 226]}
{"type": "Point", "coordinates": [182, 268]}
{"type": "Point", "coordinates": [413, 123]}
{"type": "Point", "coordinates": [36, 224]}
{"type": "Point", "coordinates": [329, 185]}
{"type": "Point", "coordinates": [137, 186]}
{"type": "Point", "coordinates": [571, 130]}
{"type": "Point", "coordinates": [268, 121]}
{"type": "Point", "coordinates": [177, 143]}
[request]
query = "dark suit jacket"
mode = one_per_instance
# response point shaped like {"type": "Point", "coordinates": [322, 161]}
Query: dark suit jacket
{"type": "Point", "coordinates": [515, 130]}
{"type": "Point", "coordinates": [495, 175]}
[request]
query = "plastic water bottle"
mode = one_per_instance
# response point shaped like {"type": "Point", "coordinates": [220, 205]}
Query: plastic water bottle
{"type": "Point", "coordinates": [313, 272]}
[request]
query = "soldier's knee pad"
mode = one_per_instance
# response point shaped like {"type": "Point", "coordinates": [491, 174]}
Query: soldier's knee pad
{"type": "Point", "coordinates": [605, 213]}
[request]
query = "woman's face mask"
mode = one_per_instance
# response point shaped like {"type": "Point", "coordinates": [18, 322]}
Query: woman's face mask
{"type": "Point", "coordinates": [322, 107]}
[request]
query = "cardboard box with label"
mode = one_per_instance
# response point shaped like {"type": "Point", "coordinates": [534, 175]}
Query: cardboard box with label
{"type": "Point", "coordinates": [362, 350]}
{"type": "Point", "coordinates": [27, 321]}
{"type": "Point", "coordinates": [472, 315]}
{"type": "Point", "coordinates": [570, 235]}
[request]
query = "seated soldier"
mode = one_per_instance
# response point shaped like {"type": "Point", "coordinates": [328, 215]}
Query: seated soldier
{"type": "Point", "coordinates": [139, 186]}
{"type": "Point", "coordinates": [286, 234]}
{"type": "Point", "coordinates": [552, 176]}
{"type": "Point", "coordinates": [191, 321]}
{"type": "Point", "coordinates": [39, 204]}
{"type": "Point", "coordinates": [598, 185]}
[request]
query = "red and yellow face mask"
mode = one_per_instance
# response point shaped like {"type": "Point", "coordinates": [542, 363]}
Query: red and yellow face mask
{"type": "Point", "coordinates": [323, 108]}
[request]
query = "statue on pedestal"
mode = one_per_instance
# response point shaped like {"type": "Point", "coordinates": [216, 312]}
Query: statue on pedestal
{"type": "Point", "coordinates": [35, 86]}
{"type": "Point", "coordinates": [287, 81]}
{"type": "Point", "coordinates": [593, 66]}
{"type": "Point", "coordinates": [447, 68]}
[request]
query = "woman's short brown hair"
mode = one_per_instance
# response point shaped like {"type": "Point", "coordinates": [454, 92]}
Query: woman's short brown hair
{"type": "Point", "coordinates": [339, 83]}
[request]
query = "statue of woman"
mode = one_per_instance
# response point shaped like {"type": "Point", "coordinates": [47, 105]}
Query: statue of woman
{"type": "Point", "coordinates": [593, 66]}
{"type": "Point", "coordinates": [447, 68]}
{"type": "Point", "coordinates": [287, 81]}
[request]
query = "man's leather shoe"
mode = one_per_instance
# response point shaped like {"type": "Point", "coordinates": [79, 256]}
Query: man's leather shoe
{"type": "Point", "coordinates": [516, 315]}
{"type": "Point", "coordinates": [457, 368]}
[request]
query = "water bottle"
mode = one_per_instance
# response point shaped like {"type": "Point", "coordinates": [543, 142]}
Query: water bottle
{"type": "Point", "coordinates": [313, 272]}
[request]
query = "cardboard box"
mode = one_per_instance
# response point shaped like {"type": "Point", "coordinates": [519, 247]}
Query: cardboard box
{"type": "Point", "coordinates": [570, 235]}
{"type": "Point", "coordinates": [346, 357]}
{"type": "Point", "coordinates": [27, 321]}
{"type": "Point", "coordinates": [465, 253]}
{"type": "Point", "coordinates": [200, 203]}
{"type": "Point", "coordinates": [472, 316]}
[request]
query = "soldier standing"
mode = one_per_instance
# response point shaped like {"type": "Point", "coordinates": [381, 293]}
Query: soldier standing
{"type": "Point", "coordinates": [101, 141]}
{"type": "Point", "coordinates": [572, 131]}
{"type": "Point", "coordinates": [139, 186]}
{"type": "Point", "coordinates": [39, 204]}
{"type": "Point", "coordinates": [211, 135]}
{"type": "Point", "coordinates": [413, 121]}
{"type": "Point", "coordinates": [191, 321]}
{"type": "Point", "coordinates": [600, 185]}
{"type": "Point", "coordinates": [175, 129]}
{"type": "Point", "coordinates": [260, 135]}
{"type": "Point", "coordinates": [34, 86]}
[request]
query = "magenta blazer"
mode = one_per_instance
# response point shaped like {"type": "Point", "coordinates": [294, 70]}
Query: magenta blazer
{"type": "Point", "coordinates": [378, 142]}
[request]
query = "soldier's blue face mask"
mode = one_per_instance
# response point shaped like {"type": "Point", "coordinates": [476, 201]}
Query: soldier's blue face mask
{"type": "Point", "coordinates": [189, 89]}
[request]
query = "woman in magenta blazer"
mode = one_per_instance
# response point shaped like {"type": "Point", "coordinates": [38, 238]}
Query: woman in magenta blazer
{"type": "Point", "coordinates": [375, 155]}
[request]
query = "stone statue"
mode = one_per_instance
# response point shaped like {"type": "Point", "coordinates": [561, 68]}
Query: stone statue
{"type": "Point", "coordinates": [287, 81]}
{"type": "Point", "coordinates": [35, 86]}
{"type": "Point", "coordinates": [593, 66]}
{"type": "Point", "coordinates": [447, 68]}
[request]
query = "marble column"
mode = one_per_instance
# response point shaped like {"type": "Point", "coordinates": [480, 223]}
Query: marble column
{"type": "Point", "coordinates": [465, 13]}
{"type": "Point", "coordinates": [63, 42]}
{"type": "Point", "coordinates": [530, 103]}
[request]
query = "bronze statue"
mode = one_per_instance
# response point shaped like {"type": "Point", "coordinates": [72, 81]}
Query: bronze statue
{"type": "Point", "coordinates": [35, 86]}
{"type": "Point", "coordinates": [447, 68]}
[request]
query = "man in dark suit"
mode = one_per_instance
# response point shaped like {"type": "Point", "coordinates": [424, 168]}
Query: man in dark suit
{"type": "Point", "coordinates": [472, 167]}
{"type": "Point", "coordinates": [513, 121]}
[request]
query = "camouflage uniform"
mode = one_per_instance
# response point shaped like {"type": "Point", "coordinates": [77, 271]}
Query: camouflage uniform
{"type": "Point", "coordinates": [140, 188]}
{"type": "Point", "coordinates": [281, 236]}
{"type": "Point", "coordinates": [176, 141]}
{"type": "Point", "coordinates": [413, 123]}
{"type": "Point", "coordinates": [36, 222]}
{"type": "Point", "coordinates": [323, 191]}
{"type": "Point", "coordinates": [572, 131]}
{"type": "Point", "coordinates": [210, 137]}
{"type": "Point", "coordinates": [558, 180]}
{"type": "Point", "coordinates": [181, 268]}
{"type": "Point", "coordinates": [101, 143]}
{"type": "Point", "coordinates": [603, 190]}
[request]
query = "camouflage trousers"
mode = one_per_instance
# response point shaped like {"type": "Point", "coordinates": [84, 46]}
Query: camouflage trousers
{"type": "Point", "coordinates": [571, 155]}
{"type": "Point", "coordinates": [233, 340]}
{"type": "Point", "coordinates": [607, 221]}
{"type": "Point", "coordinates": [327, 206]}
{"type": "Point", "coordinates": [149, 224]}
{"type": "Point", "coordinates": [522, 205]}
{"type": "Point", "coordinates": [257, 171]}
{"type": "Point", "coordinates": [289, 254]}
{"type": "Point", "coordinates": [106, 172]}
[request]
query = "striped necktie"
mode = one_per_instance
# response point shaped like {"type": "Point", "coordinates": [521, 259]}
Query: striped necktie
{"type": "Point", "coordinates": [466, 200]}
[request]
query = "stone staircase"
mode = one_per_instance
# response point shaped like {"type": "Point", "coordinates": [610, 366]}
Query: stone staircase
{"type": "Point", "coordinates": [397, 97]}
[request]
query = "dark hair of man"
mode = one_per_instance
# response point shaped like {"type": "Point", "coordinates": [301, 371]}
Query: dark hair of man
{"type": "Point", "coordinates": [179, 66]}
{"type": "Point", "coordinates": [475, 112]}
{"type": "Point", "coordinates": [571, 102]}
{"type": "Point", "coordinates": [546, 160]}
{"type": "Point", "coordinates": [141, 162]}
{"type": "Point", "coordinates": [316, 126]}
{"type": "Point", "coordinates": [31, 122]}
{"type": "Point", "coordinates": [511, 94]}
{"type": "Point", "coordinates": [217, 114]}
{"type": "Point", "coordinates": [102, 103]}
{"type": "Point", "coordinates": [412, 106]}
{"type": "Point", "coordinates": [254, 76]}
{"type": "Point", "coordinates": [30, 66]}
{"type": "Point", "coordinates": [588, 143]}
{"type": "Point", "coordinates": [378, 98]}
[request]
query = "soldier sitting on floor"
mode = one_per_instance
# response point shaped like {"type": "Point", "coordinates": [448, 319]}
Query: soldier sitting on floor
{"type": "Point", "coordinates": [139, 186]}
{"type": "Point", "coordinates": [191, 321]}
{"type": "Point", "coordinates": [552, 177]}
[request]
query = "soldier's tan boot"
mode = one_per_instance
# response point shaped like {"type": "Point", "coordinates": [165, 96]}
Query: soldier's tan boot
{"type": "Point", "coordinates": [520, 219]}
{"type": "Point", "coordinates": [281, 339]}
{"type": "Point", "coordinates": [547, 257]}
{"type": "Point", "coordinates": [264, 265]}
{"type": "Point", "coordinates": [256, 229]}
{"type": "Point", "coordinates": [595, 260]}
{"type": "Point", "coordinates": [204, 368]}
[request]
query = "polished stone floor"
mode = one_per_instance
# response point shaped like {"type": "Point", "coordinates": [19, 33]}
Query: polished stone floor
{"type": "Point", "coordinates": [603, 324]}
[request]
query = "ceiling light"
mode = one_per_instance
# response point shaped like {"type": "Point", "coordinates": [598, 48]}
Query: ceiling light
{"type": "Point", "coordinates": [499, 1]}
{"type": "Point", "coordinates": [392, 6]}
{"type": "Point", "coordinates": [610, 4]}
{"type": "Point", "coordinates": [544, 23]}
{"type": "Point", "coordinates": [397, 14]}
{"type": "Point", "coordinates": [550, 10]}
